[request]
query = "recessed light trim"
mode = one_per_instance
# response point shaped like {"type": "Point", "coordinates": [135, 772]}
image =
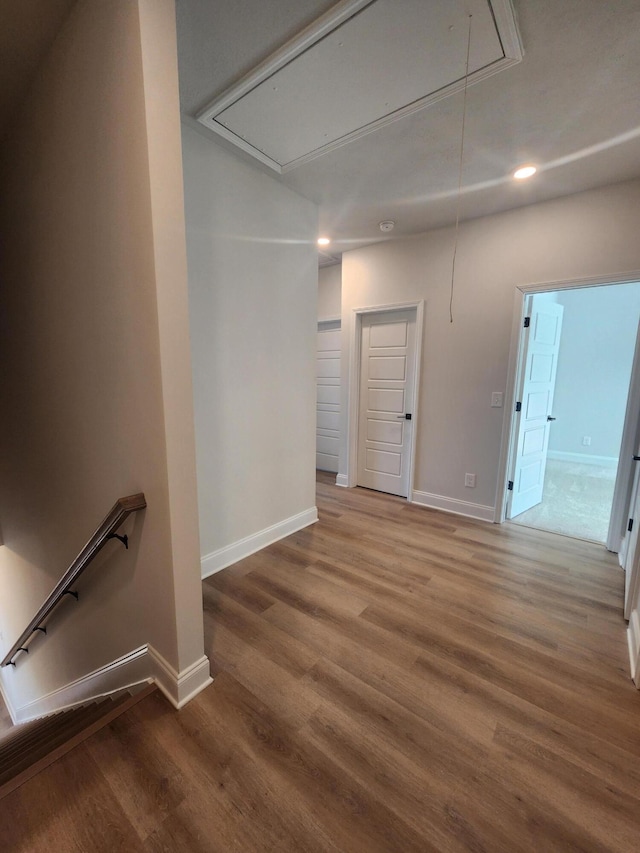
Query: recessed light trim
{"type": "Point", "coordinates": [524, 172]}
{"type": "Point", "coordinates": [323, 241]}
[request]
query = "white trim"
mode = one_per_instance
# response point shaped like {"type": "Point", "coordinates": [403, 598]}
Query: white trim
{"type": "Point", "coordinates": [583, 458]}
{"type": "Point", "coordinates": [354, 349]}
{"type": "Point", "coordinates": [628, 277]}
{"type": "Point", "coordinates": [466, 508]}
{"type": "Point", "coordinates": [505, 18]}
{"type": "Point", "coordinates": [622, 493]}
{"type": "Point", "coordinates": [7, 701]}
{"type": "Point", "coordinates": [343, 481]}
{"type": "Point", "coordinates": [632, 591]}
{"type": "Point", "coordinates": [508, 438]}
{"type": "Point", "coordinates": [223, 557]}
{"type": "Point", "coordinates": [633, 639]}
{"type": "Point", "coordinates": [140, 665]}
{"type": "Point", "coordinates": [120, 674]}
{"type": "Point", "coordinates": [506, 27]}
{"type": "Point", "coordinates": [179, 687]}
{"type": "Point", "coordinates": [622, 551]}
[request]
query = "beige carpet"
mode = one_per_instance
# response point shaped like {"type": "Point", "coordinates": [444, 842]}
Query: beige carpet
{"type": "Point", "coordinates": [576, 501]}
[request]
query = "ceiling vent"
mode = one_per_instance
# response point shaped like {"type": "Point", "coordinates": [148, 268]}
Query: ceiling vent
{"type": "Point", "coordinates": [359, 67]}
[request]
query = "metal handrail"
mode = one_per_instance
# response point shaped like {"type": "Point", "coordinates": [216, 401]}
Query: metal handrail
{"type": "Point", "coordinates": [122, 508]}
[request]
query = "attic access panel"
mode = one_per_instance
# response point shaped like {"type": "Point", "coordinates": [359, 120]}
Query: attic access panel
{"type": "Point", "coordinates": [362, 65]}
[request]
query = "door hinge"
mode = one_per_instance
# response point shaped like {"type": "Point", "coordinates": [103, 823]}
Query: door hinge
{"type": "Point", "coordinates": [630, 525]}
{"type": "Point", "coordinates": [527, 322]}
{"type": "Point", "coordinates": [510, 486]}
{"type": "Point", "coordinates": [518, 407]}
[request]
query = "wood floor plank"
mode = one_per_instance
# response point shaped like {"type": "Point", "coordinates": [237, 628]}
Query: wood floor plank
{"type": "Point", "coordinates": [70, 807]}
{"type": "Point", "coordinates": [351, 817]}
{"type": "Point", "coordinates": [603, 810]}
{"type": "Point", "coordinates": [287, 652]}
{"type": "Point", "coordinates": [474, 647]}
{"type": "Point", "coordinates": [392, 679]}
{"type": "Point", "coordinates": [147, 785]}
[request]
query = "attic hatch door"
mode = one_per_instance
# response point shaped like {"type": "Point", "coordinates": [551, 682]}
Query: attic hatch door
{"type": "Point", "coordinates": [362, 65]}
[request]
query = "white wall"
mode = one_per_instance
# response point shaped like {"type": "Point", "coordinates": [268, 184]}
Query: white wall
{"type": "Point", "coordinates": [96, 393]}
{"type": "Point", "coordinates": [594, 367]}
{"type": "Point", "coordinates": [329, 292]}
{"type": "Point", "coordinates": [253, 283]}
{"type": "Point", "coordinates": [589, 234]}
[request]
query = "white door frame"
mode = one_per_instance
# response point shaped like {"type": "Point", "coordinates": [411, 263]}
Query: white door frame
{"type": "Point", "coordinates": [355, 355]}
{"type": "Point", "coordinates": [632, 419]}
{"type": "Point", "coordinates": [622, 496]}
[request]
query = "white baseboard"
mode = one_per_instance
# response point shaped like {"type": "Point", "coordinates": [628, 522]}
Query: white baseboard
{"type": "Point", "coordinates": [124, 672]}
{"type": "Point", "coordinates": [343, 481]}
{"type": "Point", "coordinates": [7, 700]}
{"type": "Point", "coordinates": [218, 560]}
{"type": "Point", "coordinates": [583, 458]}
{"type": "Point", "coordinates": [179, 687]}
{"type": "Point", "coordinates": [140, 665]}
{"type": "Point", "coordinates": [633, 638]}
{"type": "Point", "coordinates": [471, 510]}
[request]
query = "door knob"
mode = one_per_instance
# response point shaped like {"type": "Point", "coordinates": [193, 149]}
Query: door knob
{"type": "Point", "coordinates": [406, 417]}
{"type": "Point", "coordinates": [549, 418]}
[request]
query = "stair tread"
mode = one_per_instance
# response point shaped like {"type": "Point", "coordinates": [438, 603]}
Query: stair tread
{"type": "Point", "coordinates": [49, 738]}
{"type": "Point", "coordinates": [35, 728]}
{"type": "Point", "coordinates": [57, 728]}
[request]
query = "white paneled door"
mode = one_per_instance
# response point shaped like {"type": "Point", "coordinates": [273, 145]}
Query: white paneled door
{"type": "Point", "coordinates": [534, 419]}
{"type": "Point", "coordinates": [387, 391]}
{"type": "Point", "coordinates": [328, 396]}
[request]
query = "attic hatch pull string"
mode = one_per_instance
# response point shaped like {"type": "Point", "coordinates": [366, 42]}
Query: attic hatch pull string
{"type": "Point", "coordinates": [464, 116]}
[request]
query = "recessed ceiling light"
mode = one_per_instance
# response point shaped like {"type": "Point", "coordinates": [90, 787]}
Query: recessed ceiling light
{"type": "Point", "coordinates": [524, 172]}
{"type": "Point", "coordinates": [323, 241]}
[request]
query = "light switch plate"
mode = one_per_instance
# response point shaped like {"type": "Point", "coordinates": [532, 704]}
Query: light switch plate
{"type": "Point", "coordinates": [496, 400]}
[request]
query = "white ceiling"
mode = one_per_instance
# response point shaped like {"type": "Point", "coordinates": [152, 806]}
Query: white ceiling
{"type": "Point", "coordinates": [572, 106]}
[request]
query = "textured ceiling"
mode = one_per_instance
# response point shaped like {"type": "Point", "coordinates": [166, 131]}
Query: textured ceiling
{"type": "Point", "coordinates": [572, 106]}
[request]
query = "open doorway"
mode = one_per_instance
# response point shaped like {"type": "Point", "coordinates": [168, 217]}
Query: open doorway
{"type": "Point", "coordinates": [571, 398]}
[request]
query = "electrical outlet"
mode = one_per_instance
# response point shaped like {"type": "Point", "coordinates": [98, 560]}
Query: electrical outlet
{"type": "Point", "coordinates": [586, 440]}
{"type": "Point", "coordinates": [470, 481]}
{"type": "Point", "coordinates": [496, 400]}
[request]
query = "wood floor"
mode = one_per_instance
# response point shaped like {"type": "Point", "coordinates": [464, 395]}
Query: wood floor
{"type": "Point", "coordinates": [390, 679]}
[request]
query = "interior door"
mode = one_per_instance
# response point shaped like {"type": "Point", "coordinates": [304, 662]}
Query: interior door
{"type": "Point", "coordinates": [534, 419]}
{"type": "Point", "coordinates": [385, 424]}
{"type": "Point", "coordinates": [630, 545]}
{"type": "Point", "coordinates": [328, 396]}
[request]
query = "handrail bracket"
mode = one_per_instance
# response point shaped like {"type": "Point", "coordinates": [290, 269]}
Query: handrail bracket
{"type": "Point", "coordinates": [124, 539]}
